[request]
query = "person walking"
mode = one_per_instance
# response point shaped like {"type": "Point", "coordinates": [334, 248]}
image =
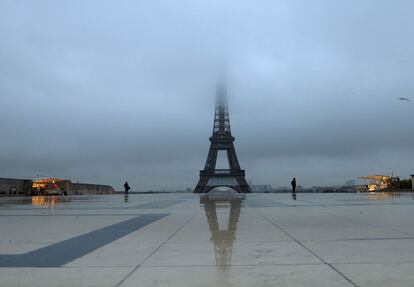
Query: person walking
{"type": "Point", "coordinates": [126, 187]}
{"type": "Point", "coordinates": [293, 183]}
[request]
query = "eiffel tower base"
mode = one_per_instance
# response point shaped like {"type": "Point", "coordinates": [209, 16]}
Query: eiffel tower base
{"type": "Point", "coordinates": [222, 178]}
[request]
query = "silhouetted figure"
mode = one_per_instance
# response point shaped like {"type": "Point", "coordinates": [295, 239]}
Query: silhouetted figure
{"type": "Point", "coordinates": [126, 186]}
{"type": "Point", "coordinates": [293, 183]}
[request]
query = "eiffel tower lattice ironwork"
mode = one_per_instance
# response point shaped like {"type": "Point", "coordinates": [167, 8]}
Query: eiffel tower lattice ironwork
{"type": "Point", "coordinates": [210, 177]}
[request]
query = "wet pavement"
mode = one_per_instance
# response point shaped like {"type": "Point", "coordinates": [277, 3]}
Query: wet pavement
{"type": "Point", "coordinates": [188, 240]}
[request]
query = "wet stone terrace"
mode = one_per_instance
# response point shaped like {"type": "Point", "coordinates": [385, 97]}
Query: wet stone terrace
{"type": "Point", "coordinates": [184, 240]}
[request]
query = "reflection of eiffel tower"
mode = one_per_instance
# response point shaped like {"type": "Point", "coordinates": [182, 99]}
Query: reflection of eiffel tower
{"type": "Point", "coordinates": [222, 238]}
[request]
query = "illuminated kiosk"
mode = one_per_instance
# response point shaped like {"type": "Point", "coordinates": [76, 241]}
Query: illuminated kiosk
{"type": "Point", "coordinates": [380, 182]}
{"type": "Point", "coordinates": [49, 186]}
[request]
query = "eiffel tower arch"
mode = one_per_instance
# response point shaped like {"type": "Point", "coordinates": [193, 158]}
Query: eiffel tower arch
{"type": "Point", "coordinates": [222, 139]}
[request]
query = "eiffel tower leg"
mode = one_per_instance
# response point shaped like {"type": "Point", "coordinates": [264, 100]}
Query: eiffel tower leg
{"type": "Point", "coordinates": [244, 187]}
{"type": "Point", "coordinates": [232, 158]}
{"type": "Point", "coordinates": [211, 159]}
{"type": "Point", "coordinates": [201, 185]}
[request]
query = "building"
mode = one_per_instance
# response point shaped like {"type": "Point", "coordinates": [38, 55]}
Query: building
{"type": "Point", "coordinates": [49, 186]}
{"type": "Point", "coordinates": [261, 188]}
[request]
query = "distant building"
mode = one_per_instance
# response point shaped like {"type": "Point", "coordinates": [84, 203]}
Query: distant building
{"type": "Point", "coordinates": [261, 188]}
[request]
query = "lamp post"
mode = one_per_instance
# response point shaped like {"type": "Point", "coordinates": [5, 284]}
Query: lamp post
{"type": "Point", "coordinates": [412, 181]}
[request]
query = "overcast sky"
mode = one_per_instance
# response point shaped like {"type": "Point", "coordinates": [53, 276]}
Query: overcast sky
{"type": "Point", "coordinates": [108, 91]}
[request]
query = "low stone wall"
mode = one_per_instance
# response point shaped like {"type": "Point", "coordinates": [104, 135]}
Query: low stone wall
{"type": "Point", "coordinates": [11, 186]}
{"type": "Point", "coordinates": [90, 189]}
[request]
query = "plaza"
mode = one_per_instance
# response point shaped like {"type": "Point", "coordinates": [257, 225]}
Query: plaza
{"type": "Point", "coordinates": [173, 240]}
{"type": "Point", "coordinates": [180, 240]}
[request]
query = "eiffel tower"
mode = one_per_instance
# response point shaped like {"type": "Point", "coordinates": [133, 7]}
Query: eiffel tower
{"type": "Point", "coordinates": [210, 177]}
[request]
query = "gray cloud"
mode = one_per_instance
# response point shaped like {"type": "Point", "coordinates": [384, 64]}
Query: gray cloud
{"type": "Point", "coordinates": [102, 91]}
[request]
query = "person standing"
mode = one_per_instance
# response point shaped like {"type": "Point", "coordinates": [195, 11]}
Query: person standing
{"type": "Point", "coordinates": [293, 183]}
{"type": "Point", "coordinates": [126, 187]}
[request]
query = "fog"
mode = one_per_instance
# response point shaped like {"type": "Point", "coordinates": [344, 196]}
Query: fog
{"type": "Point", "coordinates": [108, 91]}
